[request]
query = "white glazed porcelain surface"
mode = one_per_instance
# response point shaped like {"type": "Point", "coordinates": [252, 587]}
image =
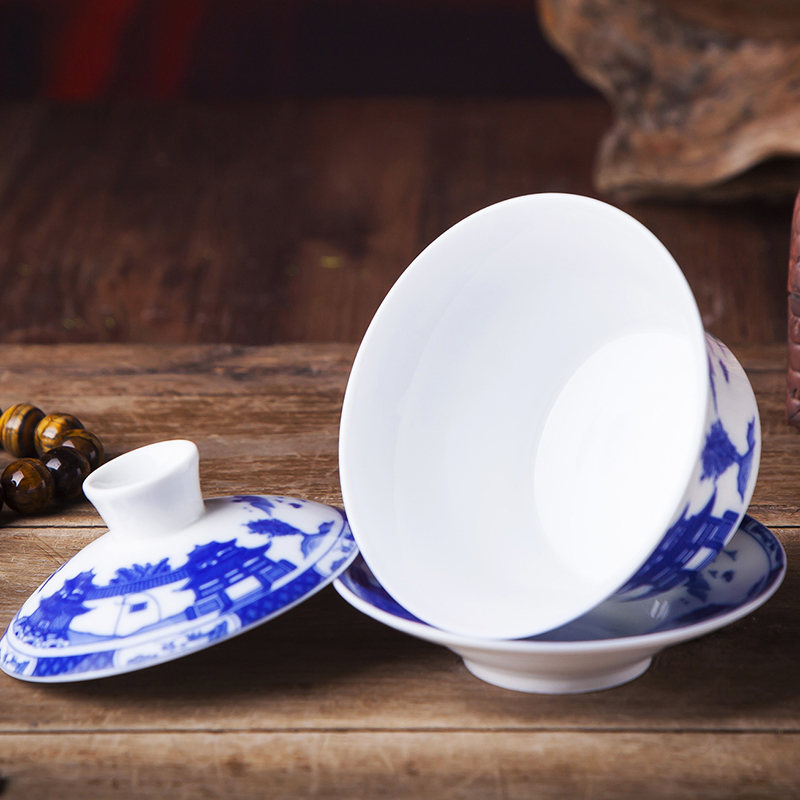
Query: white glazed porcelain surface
{"type": "Point", "coordinates": [526, 417]}
{"type": "Point", "coordinates": [148, 592]}
{"type": "Point", "coordinates": [149, 491]}
{"type": "Point", "coordinates": [613, 643]}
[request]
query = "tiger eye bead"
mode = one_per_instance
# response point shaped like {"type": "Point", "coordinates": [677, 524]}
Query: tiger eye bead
{"type": "Point", "coordinates": [68, 467]}
{"type": "Point", "coordinates": [51, 428]}
{"type": "Point", "coordinates": [84, 442]}
{"type": "Point", "coordinates": [18, 428]}
{"type": "Point", "coordinates": [27, 485]}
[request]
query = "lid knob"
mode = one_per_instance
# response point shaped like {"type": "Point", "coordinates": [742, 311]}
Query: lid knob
{"type": "Point", "coordinates": [151, 491]}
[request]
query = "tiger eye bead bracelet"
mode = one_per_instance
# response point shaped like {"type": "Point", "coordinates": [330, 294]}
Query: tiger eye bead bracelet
{"type": "Point", "coordinates": [86, 443]}
{"type": "Point", "coordinates": [68, 467]}
{"type": "Point", "coordinates": [18, 429]}
{"type": "Point", "coordinates": [28, 486]}
{"type": "Point", "coordinates": [51, 429]}
{"type": "Point", "coordinates": [55, 453]}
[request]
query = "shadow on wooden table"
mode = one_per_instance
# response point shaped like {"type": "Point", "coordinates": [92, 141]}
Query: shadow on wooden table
{"type": "Point", "coordinates": [325, 665]}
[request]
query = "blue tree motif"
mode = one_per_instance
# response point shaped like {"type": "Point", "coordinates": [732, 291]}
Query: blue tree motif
{"type": "Point", "coordinates": [139, 572]}
{"type": "Point", "coordinates": [719, 454]}
{"type": "Point", "coordinates": [277, 527]}
{"type": "Point", "coordinates": [257, 501]}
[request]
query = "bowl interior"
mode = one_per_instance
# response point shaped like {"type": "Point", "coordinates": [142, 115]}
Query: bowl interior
{"type": "Point", "coordinates": [523, 416]}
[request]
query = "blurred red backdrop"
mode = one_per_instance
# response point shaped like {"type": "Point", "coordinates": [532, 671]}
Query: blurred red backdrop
{"type": "Point", "coordinates": [165, 49]}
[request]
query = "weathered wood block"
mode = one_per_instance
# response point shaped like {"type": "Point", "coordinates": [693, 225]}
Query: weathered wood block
{"type": "Point", "coordinates": [706, 93]}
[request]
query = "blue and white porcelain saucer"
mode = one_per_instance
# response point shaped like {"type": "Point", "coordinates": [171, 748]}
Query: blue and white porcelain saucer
{"type": "Point", "coordinates": [131, 601]}
{"type": "Point", "coordinates": [615, 642]}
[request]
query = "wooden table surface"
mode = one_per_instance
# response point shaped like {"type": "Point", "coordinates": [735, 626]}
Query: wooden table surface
{"type": "Point", "coordinates": [323, 701]}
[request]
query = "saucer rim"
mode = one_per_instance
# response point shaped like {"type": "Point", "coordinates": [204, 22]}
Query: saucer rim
{"type": "Point", "coordinates": [654, 641]}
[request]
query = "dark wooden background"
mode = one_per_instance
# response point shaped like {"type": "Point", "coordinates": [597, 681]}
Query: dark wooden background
{"type": "Point", "coordinates": [288, 220]}
{"type": "Point", "coordinates": [255, 172]}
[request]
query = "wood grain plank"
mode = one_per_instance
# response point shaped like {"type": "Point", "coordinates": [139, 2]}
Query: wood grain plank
{"type": "Point", "coordinates": [290, 220]}
{"type": "Point", "coordinates": [87, 373]}
{"type": "Point", "coordinates": [735, 259]}
{"type": "Point", "coordinates": [20, 125]}
{"type": "Point", "coordinates": [278, 409]}
{"type": "Point", "coordinates": [775, 500]}
{"type": "Point", "coordinates": [487, 765]}
{"type": "Point", "coordinates": [482, 153]}
{"type": "Point", "coordinates": [149, 223]}
{"type": "Point", "coordinates": [365, 162]}
{"type": "Point", "coordinates": [734, 256]}
{"type": "Point", "coordinates": [266, 420]}
{"type": "Point", "coordinates": [325, 665]}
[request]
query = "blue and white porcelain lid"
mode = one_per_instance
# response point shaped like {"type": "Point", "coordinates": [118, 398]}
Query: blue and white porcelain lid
{"type": "Point", "coordinates": [131, 601]}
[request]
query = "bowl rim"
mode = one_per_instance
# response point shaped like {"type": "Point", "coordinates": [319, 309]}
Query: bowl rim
{"type": "Point", "coordinates": [369, 543]}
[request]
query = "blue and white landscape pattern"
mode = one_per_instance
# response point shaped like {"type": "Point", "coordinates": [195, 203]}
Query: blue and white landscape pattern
{"type": "Point", "coordinates": [262, 564]}
{"type": "Point", "coordinates": [699, 535]}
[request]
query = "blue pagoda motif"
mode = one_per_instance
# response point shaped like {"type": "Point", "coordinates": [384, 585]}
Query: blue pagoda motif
{"type": "Point", "coordinates": [215, 567]}
{"type": "Point", "coordinates": [690, 541]}
{"type": "Point", "coordinates": [223, 577]}
{"type": "Point", "coordinates": [51, 620]}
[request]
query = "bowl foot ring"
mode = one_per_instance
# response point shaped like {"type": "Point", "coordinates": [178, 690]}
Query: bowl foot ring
{"type": "Point", "coordinates": [557, 684]}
